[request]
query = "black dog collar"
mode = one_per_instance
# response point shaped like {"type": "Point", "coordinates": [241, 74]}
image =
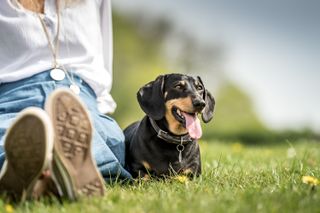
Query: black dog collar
{"type": "Point", "coordinates": [168, 137]}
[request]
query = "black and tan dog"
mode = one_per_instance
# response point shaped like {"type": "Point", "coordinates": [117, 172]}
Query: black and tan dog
{"type": "Point", "coordinates": [165, 141]}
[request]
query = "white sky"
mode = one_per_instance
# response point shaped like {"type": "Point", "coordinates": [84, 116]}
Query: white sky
{"type": "Point", "coordinates": [273, 49]}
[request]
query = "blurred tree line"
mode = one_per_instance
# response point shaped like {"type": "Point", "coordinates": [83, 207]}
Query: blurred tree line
{"type": "Point", "coordinates": [146, 47]}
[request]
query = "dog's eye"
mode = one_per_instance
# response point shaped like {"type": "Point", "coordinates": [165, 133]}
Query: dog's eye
{"type": "Point", "coordinates": [178, 86]}
{"type": "Point", "coordinates": [199, 87]}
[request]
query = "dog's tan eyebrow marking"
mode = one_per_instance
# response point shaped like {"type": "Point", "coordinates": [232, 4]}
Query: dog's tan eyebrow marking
{"type": "Point", "coordinates": [180, 83]}
{"type": "Point", "coordinates": [183, 83]}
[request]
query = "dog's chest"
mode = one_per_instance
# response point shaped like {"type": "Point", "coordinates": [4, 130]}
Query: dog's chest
{"type": "Point", "coordinates": [165, 159]}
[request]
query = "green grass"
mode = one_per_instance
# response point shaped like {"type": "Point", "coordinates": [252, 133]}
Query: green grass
{"type": "Point", "coordinates": [236, 178]}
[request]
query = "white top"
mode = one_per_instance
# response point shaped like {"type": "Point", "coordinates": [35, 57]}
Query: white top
{"type": "Point", "coordinates": [85, 44]}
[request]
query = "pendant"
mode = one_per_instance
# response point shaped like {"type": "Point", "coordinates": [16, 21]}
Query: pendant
{"type": "Point", "coordinates": [57, 74]}
{"type": "Point", "coordinates": [75, 88]}
{"type": "Point", "coordinates": [180, 148]}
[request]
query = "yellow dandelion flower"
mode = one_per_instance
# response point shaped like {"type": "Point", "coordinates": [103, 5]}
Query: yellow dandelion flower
{"type": "Point", "coordinates": [310, 180]}
{"type": "Point", "coordinates": [8, 208]}
{"type": "Point", "coordinates": [181, 178]}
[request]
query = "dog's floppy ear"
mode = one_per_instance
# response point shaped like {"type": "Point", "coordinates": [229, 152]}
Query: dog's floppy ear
{"type": "Point", "coordinates": [207, 113]}
{"type": "Point", "coordinates": [151, 100]}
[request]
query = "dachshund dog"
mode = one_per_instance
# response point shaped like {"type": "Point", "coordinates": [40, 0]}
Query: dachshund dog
{"type": "Point", "coordinates": [164, 142]}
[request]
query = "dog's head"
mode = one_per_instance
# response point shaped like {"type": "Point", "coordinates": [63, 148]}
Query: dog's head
{"type": "Point", "coordinates": [179, 99]}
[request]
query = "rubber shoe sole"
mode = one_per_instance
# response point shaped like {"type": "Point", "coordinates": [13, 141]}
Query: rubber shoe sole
{"type": "Point", "coordinates": [28, 147]}
{"type": "Point", "coordinates": [73, 168]}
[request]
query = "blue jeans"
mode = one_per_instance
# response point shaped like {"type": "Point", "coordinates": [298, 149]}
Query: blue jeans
{"type": "Point", "coordinates": [108, 146]}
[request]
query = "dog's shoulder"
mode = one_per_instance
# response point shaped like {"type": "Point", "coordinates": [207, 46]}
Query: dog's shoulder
{"type": "Point", "coordinates": [129, 130]}
{"type": "Point", "coordinates": [132, 131]}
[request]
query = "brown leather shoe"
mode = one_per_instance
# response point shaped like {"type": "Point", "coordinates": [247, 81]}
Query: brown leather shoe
{"type": "Point", "coordinates": [28, 148]}
{"type": "Point", "coordinates": [73, 167]}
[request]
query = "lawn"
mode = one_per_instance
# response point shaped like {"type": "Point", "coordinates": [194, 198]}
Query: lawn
{"type": "Point", "coordinates": [236, 178]}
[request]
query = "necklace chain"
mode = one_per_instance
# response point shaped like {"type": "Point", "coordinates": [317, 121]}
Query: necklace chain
{"type": "Point", "coordinates": [54, 48]}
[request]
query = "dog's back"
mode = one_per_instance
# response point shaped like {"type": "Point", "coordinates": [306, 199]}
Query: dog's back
{"type": "Point", "coordinates": [130, 132]}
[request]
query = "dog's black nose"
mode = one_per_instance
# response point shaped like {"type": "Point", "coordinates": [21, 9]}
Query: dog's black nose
{"type": "Point", "coordinates": [199, 104]}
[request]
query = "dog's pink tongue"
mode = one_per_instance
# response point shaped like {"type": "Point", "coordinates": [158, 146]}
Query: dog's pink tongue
{"type": "Point", "coordinates": [193, 125]}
